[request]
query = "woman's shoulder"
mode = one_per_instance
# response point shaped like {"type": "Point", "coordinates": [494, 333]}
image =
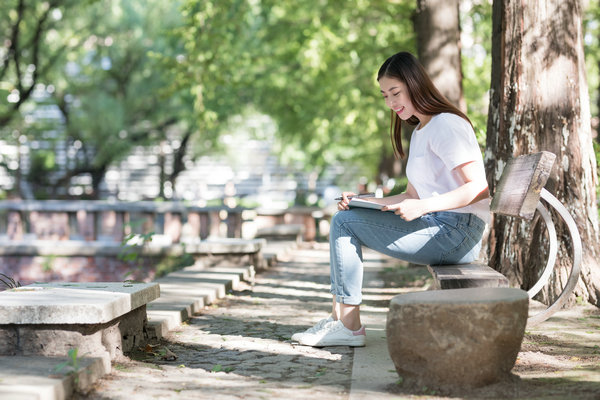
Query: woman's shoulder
{"type": "Point", "coordinates": [450, 118]}
{"type": "Point", "coordinates": [451, 122]}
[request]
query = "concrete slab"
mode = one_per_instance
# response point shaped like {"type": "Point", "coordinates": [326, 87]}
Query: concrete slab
{"type": "Point", "coordinates": [372, 368]}
{"type": "Point", "coordinates": [229, 280]}
{"type": "Point", "coordinates": [157, 328]}
{"type": "Point", "coordinates": [191, 304]}
{"type": "Point", "coordinates": [66, 248]}
{"type": "Point", "coordinates": [225, 246]}
{"type": "Point", "coordinates": [33, 377]}
{"type": "Point", "coordinates": [275, 251]}
{"type": "Point", "coordinates": [73, 303]}
{"type": "Point", "coordinates": [245, 273]}
{"type": "Point", "coordinates": [194, 289]}
{"type": "Point", "coordinates": [164, 320]}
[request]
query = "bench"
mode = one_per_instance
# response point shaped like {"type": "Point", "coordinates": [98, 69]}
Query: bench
{"type": "Point", "coordinates": [281, 232]}
{"type": "Point", "coordinates": [520, 193]}
{"type": "Point", "coordinates": [470, 336]}
{"type": "Point", "coordinates": [100, 319]}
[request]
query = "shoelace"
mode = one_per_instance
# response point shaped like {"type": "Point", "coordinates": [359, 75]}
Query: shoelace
{"type": "Point", "coordinates": [332, 326]}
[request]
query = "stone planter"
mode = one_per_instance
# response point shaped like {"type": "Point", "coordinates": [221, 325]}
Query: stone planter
{"type": "Point", "coordinates": [457, 337]}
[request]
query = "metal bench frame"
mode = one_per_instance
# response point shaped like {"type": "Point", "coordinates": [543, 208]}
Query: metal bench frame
{"type": "Point", "coordinates": [577, 256]}
{"type": "Point", "coordinates": [522, 199]}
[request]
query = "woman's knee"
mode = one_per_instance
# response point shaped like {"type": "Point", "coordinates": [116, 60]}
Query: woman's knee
{"type": "Point", "coordinates": [342, 217]}
{"type": "Point", "coordinates": [337, 221]}
{"type": "Point", "coordinates": [340, 223]}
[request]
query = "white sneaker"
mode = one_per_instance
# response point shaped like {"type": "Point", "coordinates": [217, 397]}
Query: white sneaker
{"type": "Point", "coordinates": [334, 333]}
{"type": "Point", "coordinates": [313, 329]}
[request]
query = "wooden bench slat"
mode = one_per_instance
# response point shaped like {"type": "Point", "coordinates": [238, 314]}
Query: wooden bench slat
{"type": "Point", "coordinates": [466, 276]}
{"type": "Point", "coordinates": [518, 190]}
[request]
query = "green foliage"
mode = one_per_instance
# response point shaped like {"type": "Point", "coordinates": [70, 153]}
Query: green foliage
{"type": "Point", "coordinates": [48, 262]}
{"type": "Point", "coordinates": [220, 368]}
{"type": "Point", "coordinates": [34, 39]}
{"type": "Point", "coordinates": [310, 65]}
{"type": "Point", "coordinates": [399, 187]}
{"type": "Point", "coordinates": [170, 264]}
{"type": "Point", "coordinates": [128, 73]}
{"type": "Point", "coordinates": [72, 364]}
{"type": "Point", "coordinates": [591, 25]}
{"type": "Point", "coordinates": [133, 244]}
{"type": "Point", "coordinates": [115, 92]}
{"type": "Point", "coordinates": [476, 24]}
{"type": "Point", "coordinates": [43, 163]}
{"type": "Point", "coordinates": [101, 65]}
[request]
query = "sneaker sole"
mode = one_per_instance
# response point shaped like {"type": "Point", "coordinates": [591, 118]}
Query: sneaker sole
{"type": "Point", "coordinates": [296, 337]}
{"type": "Point", "coordinates": [355, 342]}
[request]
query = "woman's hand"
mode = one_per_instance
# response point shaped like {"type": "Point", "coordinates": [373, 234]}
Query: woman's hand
{"type": "Point", "coordinates": [343, 204]}
{"type": "Point", "coordinates": [408, 209]}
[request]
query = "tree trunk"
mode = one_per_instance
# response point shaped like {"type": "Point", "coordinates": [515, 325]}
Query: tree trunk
{"type": "Point", "coordinates": [596, 119]}
{"type": "Point", "coordinates": [178, 162]}
{"type": "Point", "coordinates": [98, 173]}
{"type": "Point", "coordinates": [539, 101]}
{"type": "Point", "coordinates": [437, 28]}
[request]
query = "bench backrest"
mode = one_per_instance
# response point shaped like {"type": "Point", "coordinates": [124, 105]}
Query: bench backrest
{"type": "Point", "coordinates": [518, 190]}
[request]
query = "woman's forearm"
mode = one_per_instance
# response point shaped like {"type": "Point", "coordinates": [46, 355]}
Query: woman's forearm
{"type": "Point", "coordinates": [410, 193]}
{"type": "Point", "coordinates": [462, 196]}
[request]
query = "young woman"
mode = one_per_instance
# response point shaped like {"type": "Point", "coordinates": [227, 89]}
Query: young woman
{"type": "Point", "coordinates": [440, 218]}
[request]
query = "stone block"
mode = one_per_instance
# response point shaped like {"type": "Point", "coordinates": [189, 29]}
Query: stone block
{"type": "Point", "coordinates": [107, 341]}
{"type": "Point", "coordinates": [73, 303]}
{"type": "Point", "coordinates": [456, 337]}
{"type": "Point", "coordinates": [8, 343]}
{"type": "Point", "coordinates": [103, 319]}
{"type": "Point", "coordinates": [57, 340]}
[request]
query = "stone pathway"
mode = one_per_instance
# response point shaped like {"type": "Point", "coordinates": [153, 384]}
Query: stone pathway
{"type": "Point", "coordinates": [240, 348]}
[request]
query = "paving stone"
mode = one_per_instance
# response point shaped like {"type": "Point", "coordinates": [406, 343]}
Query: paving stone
{"type": "Point", "coordinates": [241, 348]}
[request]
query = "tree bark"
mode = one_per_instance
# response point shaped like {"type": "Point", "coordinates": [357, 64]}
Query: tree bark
{"type": "Point", "coordinates": [178, 158]}
{"type": "Point", "coordinates": [437, 27]}
{"type": "Point", "coordinates": [539, 101]}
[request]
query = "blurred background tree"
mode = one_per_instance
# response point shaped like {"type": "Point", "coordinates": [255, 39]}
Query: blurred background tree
{"type": "Point", "coordinates": [100, 78]}
{"type": "Point", "coordinates": [311, 66]}
{"type": "Point", "coordinates": [101, 64]}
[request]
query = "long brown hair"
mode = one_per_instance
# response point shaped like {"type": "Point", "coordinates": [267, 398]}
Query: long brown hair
{"type": "Point", "coordinates": [423, 94]}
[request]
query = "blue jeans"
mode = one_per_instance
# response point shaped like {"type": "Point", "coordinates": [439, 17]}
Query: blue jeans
{"type": "Point", "coordinates": [434, 239]}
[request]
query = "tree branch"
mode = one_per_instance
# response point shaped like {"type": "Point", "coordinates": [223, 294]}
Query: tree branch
{"type": "Point", "coordinates": [14, 38]}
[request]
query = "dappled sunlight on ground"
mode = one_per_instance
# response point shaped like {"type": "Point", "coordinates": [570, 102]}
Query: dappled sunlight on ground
{"type": "Point", "coordinates": [240, 347]}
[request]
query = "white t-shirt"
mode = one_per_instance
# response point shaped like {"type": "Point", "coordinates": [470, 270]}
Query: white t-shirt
{"type": "Point", "coordinates": [446, 142]}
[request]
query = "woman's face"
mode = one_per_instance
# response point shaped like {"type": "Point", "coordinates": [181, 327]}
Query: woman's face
{"type": "Point", "coordinates": [396, 97]}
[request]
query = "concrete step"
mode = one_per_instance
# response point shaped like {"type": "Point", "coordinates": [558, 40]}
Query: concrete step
{"type": "Point", "coordinates": [276, 250]}
{"type": "Point", "coordinates": [186, 292]}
